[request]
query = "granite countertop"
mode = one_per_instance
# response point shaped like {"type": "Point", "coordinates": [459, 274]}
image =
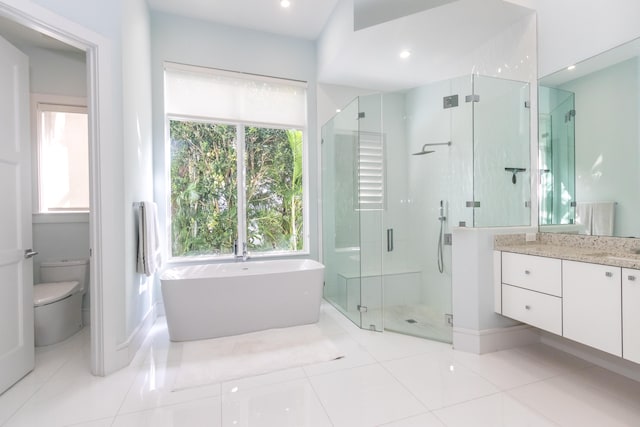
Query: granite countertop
{"type": "Point", "coordinates": [605, 251]}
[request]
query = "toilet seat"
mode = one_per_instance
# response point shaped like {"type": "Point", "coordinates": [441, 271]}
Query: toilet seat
{"type": "Point", "coordinates": [47, 293]}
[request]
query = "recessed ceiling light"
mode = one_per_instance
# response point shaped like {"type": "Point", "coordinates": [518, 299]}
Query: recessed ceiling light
{"type": "Point", "coordinates": [285, 3]}
{"type": "Point", "coordinates": [571, 67]}
{"type": "Point", "coordinates": [338, 110]}
{"type": "Point", "coordinates": [404, 54]}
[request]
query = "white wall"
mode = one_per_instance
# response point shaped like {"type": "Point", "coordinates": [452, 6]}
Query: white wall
{"type": "Point", "coordinates": [138, 152]}
{"type": "Point", "coordinates": [57, 72]}
{"type": "Point", "coordinates": [194, 42]}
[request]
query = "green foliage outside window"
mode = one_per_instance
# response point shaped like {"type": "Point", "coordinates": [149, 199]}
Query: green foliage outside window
{"type": "Point", "coordinates": [204, 200]}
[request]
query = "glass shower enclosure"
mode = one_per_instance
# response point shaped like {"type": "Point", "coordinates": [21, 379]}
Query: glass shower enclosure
{"type": "Point", "coordinates": [399, 171]}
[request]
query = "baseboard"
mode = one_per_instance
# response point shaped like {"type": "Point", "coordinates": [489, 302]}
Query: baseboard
{"type": "Point", "coordinates": [128, 349]}
{"type": "Point", "coordinates": [599, 358]}
{"type": "Point", "coordinates": [490, 340]}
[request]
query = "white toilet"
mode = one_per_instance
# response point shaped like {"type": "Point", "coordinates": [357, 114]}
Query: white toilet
{"type": "Point", "coordinates": [58, 300]}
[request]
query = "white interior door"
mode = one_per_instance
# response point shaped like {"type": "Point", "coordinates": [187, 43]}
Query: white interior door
{"type": "Point", "coordinates": [16, 268]}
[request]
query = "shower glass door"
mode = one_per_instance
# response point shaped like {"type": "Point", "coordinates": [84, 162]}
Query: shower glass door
{"type": "Point", "coordinates": [417, 267]}
{"type": "Point", "coordinates": [371, 188]}
{"type": "Point", "coordinates": [352, 156]}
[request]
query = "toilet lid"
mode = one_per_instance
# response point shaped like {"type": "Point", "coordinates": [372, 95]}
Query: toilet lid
{"type": "Point", "coordinates": [46, 293]}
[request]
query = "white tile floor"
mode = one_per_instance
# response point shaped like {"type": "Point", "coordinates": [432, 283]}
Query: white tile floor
{"type": "Point", "coordinates": [385, 379]}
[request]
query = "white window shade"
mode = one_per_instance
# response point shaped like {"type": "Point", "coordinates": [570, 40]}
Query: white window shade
{"type": "Point", "coordinates": [204, 92]}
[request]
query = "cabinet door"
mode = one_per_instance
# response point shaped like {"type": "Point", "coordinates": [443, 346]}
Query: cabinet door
{"type": "Point", "coordinates": [539, 274]}
{"type": "Point", "coordinates": [631, 314]}
{"type": "Point", "coordinates": [592, 306]}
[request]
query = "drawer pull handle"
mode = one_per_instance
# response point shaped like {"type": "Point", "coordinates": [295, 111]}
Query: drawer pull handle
{"type": "Point", "coordinates": [527, 307]}
{"type": "Point", "coordinates": [632, 278]}
{"type": "Point", "coordinates": [527, 272]}
{"type": "Point", "coordinates": [608, 274]}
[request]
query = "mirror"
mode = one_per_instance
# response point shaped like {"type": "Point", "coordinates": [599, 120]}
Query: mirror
{"type": "Point", "coordinates": [589, 145]}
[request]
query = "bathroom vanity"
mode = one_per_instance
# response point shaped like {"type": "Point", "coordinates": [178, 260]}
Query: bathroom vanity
{"type": "Point", "coordinates": [583, 288]}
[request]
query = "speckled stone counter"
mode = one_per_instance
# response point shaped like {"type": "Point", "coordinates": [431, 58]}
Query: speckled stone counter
{"type": "Point", "coordinates": [615, 251]}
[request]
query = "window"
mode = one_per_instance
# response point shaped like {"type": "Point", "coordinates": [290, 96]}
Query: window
{"type": "Point", "coordinates": [236, 162]}
{"type": "Point", "coordinates": [371, 171]}
{"type": "Point", "coordinates": [62, 152]}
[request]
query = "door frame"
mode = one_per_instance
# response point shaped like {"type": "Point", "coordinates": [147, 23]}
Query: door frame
{"type": "Point", "coordinates": [99, 105]}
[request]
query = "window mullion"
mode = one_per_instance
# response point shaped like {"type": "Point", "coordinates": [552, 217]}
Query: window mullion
{"type": "Point", "coordinates": [242, 195]}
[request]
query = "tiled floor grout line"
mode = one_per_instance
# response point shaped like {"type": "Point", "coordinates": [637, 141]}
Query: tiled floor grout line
{"type": "Point", "coordinates": [534, 410]}
{"type": "Point", "coordinates": [315, 392]}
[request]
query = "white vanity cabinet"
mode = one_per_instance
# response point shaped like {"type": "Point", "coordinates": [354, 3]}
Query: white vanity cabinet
{"type": "Point", "coordinates": [531, 289]}
{"type": "Point", "coordinates": [573, 293]}
{"type": "Point", "coordinates": [631, 314]}
{"type": "Point", "coordinates": [591, 305]}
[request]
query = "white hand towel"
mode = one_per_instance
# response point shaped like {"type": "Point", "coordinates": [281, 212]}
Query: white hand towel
{"type": "Point", "coordinates": [603, 216]}
{"type": "Point", "coordinates": [584, 216]}
{"type": "Point", "coordinates": [149, 253]}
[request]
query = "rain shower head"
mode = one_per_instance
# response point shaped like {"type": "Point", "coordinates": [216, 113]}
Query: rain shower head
{"type": "Point", "coordinates": [424, 148]}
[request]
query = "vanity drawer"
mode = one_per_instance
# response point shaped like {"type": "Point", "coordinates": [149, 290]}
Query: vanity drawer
{"type": "Point", "coordinates": [537, 309]}
{"type": "Point", "coordinates": [532, 272]}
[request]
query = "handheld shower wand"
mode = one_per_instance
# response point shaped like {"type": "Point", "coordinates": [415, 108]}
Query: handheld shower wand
{"type": "Point", "coordinates": [442, 218]}
{"type": "Point", "coordinates": [441, 215]}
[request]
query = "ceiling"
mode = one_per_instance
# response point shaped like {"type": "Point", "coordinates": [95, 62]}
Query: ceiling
{"type": "Point", "coordinates": [365, 58]}
{"type": "Point", "coordinates": [442, 41]}
{"type": "Point", "coordinates": [303, 19]}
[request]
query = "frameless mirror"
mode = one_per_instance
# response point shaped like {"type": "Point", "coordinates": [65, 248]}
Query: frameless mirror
{"type": "Point", "coordinates": [589, 145]}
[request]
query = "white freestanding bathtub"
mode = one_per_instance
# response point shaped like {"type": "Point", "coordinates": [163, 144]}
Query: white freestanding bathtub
{"type": "Point", "coordinates": [216, 300]}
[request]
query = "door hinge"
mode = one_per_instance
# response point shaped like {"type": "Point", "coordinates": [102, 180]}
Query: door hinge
{"type": "Point", "coordinates": [448, 319]}
{"type": "Point", "coordinates": [472, 98]}
{"type": "Point", "coordinates": [450, 101]}
{"type": "Point", "coordinates": [362, 308]}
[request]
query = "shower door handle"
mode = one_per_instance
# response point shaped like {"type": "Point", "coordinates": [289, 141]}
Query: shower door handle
{"type": "Point", "coordinates": [389, 239]}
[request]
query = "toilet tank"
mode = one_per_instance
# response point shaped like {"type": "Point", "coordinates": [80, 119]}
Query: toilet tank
{"type": "Point", "coordinates": [65, 270]}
